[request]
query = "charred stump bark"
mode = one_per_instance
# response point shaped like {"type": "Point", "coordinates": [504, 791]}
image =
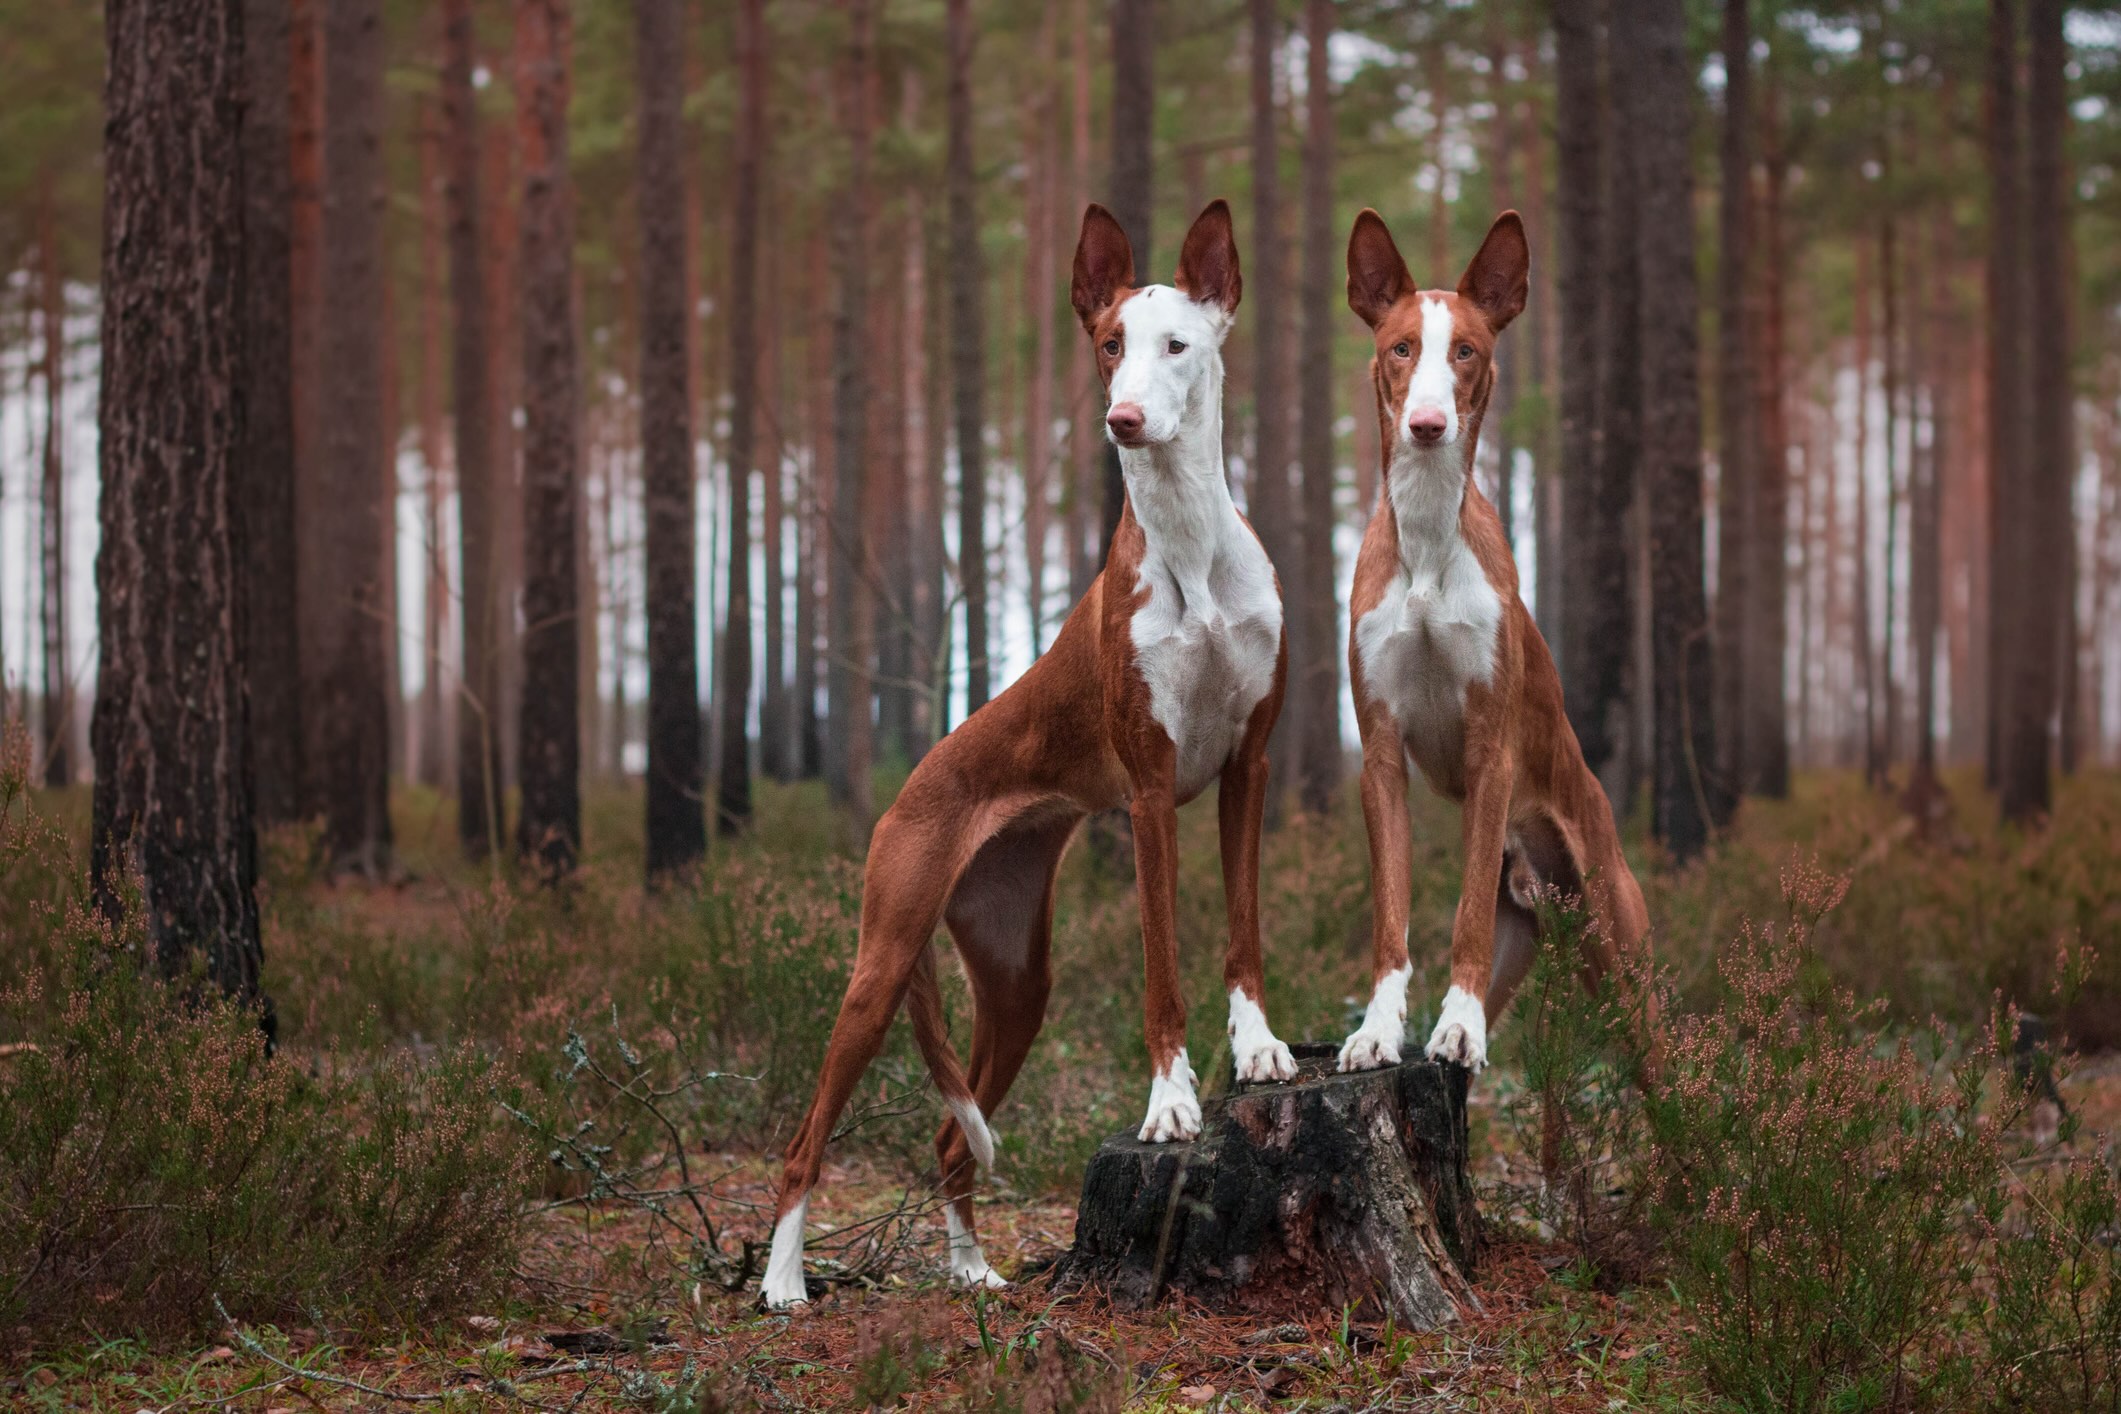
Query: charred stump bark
{"type": "Point", "coordinates": [1333, 1190]}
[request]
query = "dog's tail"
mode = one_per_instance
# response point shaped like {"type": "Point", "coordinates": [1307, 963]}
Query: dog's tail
{"type": "Point", "coordinates": [924, 1004]}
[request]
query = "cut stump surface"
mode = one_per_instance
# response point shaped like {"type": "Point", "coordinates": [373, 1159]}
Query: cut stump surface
{"type": "Point", "coordinates": [1329, 1191]}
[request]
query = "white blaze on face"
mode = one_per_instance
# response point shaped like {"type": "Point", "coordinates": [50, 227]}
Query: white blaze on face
{"type": "Point", "coordinates": [1434, 387]}
{"type": "Point", "coordinates": [1164, 384]}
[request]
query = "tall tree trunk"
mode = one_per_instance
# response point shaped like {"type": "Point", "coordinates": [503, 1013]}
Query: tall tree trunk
{"type": "Point", "coordinates": [1543, 346]}
{"type": "Point", "coordinates": [776, 756]}
{"type": "Point", "coordinates": [1924, 547]}
{"type": "Point", "coordinates": [271, 650]}
{"type": "Point", "coordinates": [924, 471]}
{"type": "Point", "coordinates": [1862, 647]}
{"type": "Point", "coordinates": [1041, 187]}
{"type": "Point", "coordinates": [2041, 631]}
{"type": "Point", "coordinates": [676, 827]}
{"type": "Point", "coordinates": [472, 416]}
{"type": "Point", "coordinates": [351, 713]}
{"type": "Point", "coordinates": [1501, 420]}
{"type": "Point", "coordinates": [505, 377]}
{"type": "Point", "coordinates": [1737, 515]}
{"type": "Point", "coordinates": [1085, 441]}
{"type": "Point", "coordinates": [2009, 377]}
{"type": "Point", "coordinates": [431, 758]}
{"type": "Point", "coordinates": [1318, 672]}
{"type": "Point", "coordinates": [171, 732]}
{"type": "Point", "coordinates": [847, 671]}
{"type": "Point", "coordinates": [1659, 99]}
{"type": "Point", "coordinates": [1133, 132]}
{"type": "Point", "coordinates": [813, 504]}
{"type": "Point", "coordinates": [968, 355]}
{"type": "Point", "coordinates": [57, 694]}
{"type": "Point", "coordinates": [1600, 390]}
{"type": "Point", "coordinates": [314, 604]}
{"type": "Point", "coordinates": [1890, 374]}
{"type": "Point", "coordinates": [1765, 637]}
{"type": "Point", "coordinates": [1268, 498]}
{"type": "Point", "coordinates": [549, 826]}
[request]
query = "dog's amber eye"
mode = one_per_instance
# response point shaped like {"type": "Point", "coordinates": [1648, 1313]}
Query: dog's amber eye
{"type": "Point", "coordinates": [1465, 351]}
{"type": "Point", "coordinates": [1177, 346]}
{"type": "Point", "coordinates": [1111, 348]}
{"type": "Point", "coordinates": [1403, 349]}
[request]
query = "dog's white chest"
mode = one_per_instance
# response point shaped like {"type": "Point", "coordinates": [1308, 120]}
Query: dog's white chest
{"type": "Point", "coordinates": [1431, 636]}
{"type": "Point", "coordinates": [1206, 642]}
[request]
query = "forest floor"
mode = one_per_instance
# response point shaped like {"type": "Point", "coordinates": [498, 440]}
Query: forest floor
{"type": "Point", "coordinates": [613, 1299]}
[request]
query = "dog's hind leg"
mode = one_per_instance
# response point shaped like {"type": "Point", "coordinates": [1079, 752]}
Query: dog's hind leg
{"type": "Point", "coordinates": [1001, 917]}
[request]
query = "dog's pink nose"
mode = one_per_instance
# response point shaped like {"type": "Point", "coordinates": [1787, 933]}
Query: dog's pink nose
{"type": "Point", "coordinates": [1126, 421]}
{"type": "Point", "coordinates": [1426, 426]}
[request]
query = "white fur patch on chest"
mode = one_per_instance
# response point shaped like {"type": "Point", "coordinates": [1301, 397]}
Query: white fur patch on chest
{"type": "Point", "coordinates": [1431, 636]}
{"type": "Point", "coordinates": [1207, 639]}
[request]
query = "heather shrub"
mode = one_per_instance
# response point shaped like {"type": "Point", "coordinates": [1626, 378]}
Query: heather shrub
{"type": "Point", "coordinates": [153, 1157]}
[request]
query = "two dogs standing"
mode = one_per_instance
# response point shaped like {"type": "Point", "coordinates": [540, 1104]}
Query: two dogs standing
{"type": "Point", "coordinates": [1169, 675]}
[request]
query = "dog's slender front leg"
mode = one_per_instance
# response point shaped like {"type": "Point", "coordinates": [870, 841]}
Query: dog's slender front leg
{"type": "Point", "coordinates": [1174, 1110]}
{"type": "Point", "coordinates": [1461, 1033]}
{"type": "Point", "coordinates": [1241, 806]}
{"type": "Point", "coordinates": [1384, 811]}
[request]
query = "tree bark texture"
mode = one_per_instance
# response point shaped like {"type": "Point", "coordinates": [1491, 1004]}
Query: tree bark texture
{"type": "Point", "coordinates": [349, 715]}
{"type": "Point", "coordinates": [1133, 24]}
{"type": "Point", "coordinates": [549, 827]}
{"type": "Point", "coordinates": [1659, 98]}
{"type": "Point", "coordinates": [57, 692]}
{"type": "Point", "coordinates": [1736, 448]}
{"type": "Point", "coordinates": [967, 354]}
{"type": "Point", "coordinates": [1317, 671]}
{"type": "Point", "coordinates": [1329, 1192]}
{"type": "Point", "coordinates": [1766, 631]}
{"type": "Point", "coordinates": [847, 670]}
{"type": "Point", "coordinates": [676, 825]}
{"type": "Point", "coordinates": [1266, 311]}
{"type": "Point", "coordinates": [172, 806]}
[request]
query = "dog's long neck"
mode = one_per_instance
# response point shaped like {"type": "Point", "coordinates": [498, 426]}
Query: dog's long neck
{"type": "Point", "coordinates": [1180, 494]}
{"type": "Point", "coordinates": [1428, 488]}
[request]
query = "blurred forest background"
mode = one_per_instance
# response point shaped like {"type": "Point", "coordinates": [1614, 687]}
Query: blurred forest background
{"type": "Point", "coordinates": [505, 233]}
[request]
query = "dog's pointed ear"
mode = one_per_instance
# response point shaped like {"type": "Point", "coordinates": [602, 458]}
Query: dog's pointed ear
{"type": "Point", "coordinates": [1377, 276]}
{"type": "Point", "coordinates": [1497, 279]}
{"type": "Point", "coordinates": [1207, 265]}
{"type": "Point", "coordinates": [1104, 265]}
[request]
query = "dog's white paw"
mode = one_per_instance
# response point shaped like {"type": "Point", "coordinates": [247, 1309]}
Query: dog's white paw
{"type": "Point", "coordinates": [1371, 1048]}
{"type": "Point", "coordinates": [1376, 1042]}
{"type": "Point", "coordinates": [783, 1289]}
{"type": "Point", "coordinates": [1254, 1051]}
{"type": "Point", "coordinates": [968, 1263]}
{"type": "Point", "coordinates": [1461, 1033]}
{"type": "Point", "coordinates": [1174, 1112]}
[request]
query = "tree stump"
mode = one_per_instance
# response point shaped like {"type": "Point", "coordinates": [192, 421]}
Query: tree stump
{"type": "Point", "coordinates": [1329, 1191]}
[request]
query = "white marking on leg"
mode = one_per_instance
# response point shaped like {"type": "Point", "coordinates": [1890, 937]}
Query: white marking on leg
{"type": "Point", "coordinates": [1254, 1050]}
{"type": "Point", "coordinates": [784, 1267]}
{"type": "Point", "coordinates": [1376, 1042]}
{"type": "Point", "coordinates": [1174, 1113]}
{"type": "Point", "coordinates": [1462, 1031]}
{"type": "Point", "coordinates": [968, 1264]}
{"type": "Point", "coordinates": [974, 1124]}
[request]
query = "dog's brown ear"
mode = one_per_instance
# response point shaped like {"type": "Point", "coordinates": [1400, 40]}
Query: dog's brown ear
{"type": "Point", "coordinates": [1104, 265]}
{"type": "Point", "coordinates": [1497, 279]}
{"type": "Point", "coordinates": [1207, 266]}
{"type": "Point", "coordinates": [1377, 276]}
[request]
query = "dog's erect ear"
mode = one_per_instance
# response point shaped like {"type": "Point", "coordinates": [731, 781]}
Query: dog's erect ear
{"type": "Point", "coordinates": [1497, 278]}
{"type": "Point", "coordinates": [1377, 277]}
{"type": "Point", "coordinates": [1207, 266]}
{"type": "Point", "coordinates": [1104, 265]}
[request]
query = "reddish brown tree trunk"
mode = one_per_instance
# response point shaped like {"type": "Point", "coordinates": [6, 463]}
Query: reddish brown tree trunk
{"type": "Point", "coordinates": [1316, 674]}
{"type": "Point", "coordinates": [924, 475]}
{"type": "Point", "coordinates": [1765, 639]}
{"type": "Point", "coordinates": [968, 355]}
{"type": "Point", "coordinates": [172, 797]}
{"type": "Point", "coordinates": [1133, 32]}
{"type": "Point", "coordinates": [1085, 491]}
{"type": "Point", "coordinates": [1737, 516]}
{"type": "Point", "coordinates": [847, 671]}
{"type": "Point", "coordinates": [1041, 187]}
{"type": "Point", "coordinates": [1268, 496]}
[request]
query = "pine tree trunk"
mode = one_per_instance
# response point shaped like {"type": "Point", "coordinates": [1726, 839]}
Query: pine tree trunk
{"type": "Point", "coordinates": [1659, 100]}
{"type": "Point", "coordinates": [1267, 498]}
{"type": "Point", "coordinates": [924, 472]}
{"type": "Point", "coordinates": [1924, 546]}
{"type": "Point", "coordinates": [1737, 513]}
{"type": "Point", "coordinates": [312, 605]}
{"type": "Point", "coordinates": [1041, 189]}
{"type": "Point", "coordinates": [1891, 377]}
{"type": "Point", "coordinates": [472, 415]}
{"type": "Point", "coordinates": [1766, 635]}
{"type": "Point", "coordinates": [51, 520]}
{"type": "Point", "coordinates": [271, 651]}
{"type": "Point", "coordinates": [812, 507]}
{"type": "Point", "coordinates": [2009, 386]}
{"type": "Point", "coordinates": [351, 713]}
{"type": "Point", "coordinates": [847, 668]}
{"type": "Point", "coordinates": [171, 734]}
{"type": "Point", "coordinates": [676, 827]}
{"type": "Point", "coordinates": [776, 756]}
{"type": "Point", "coordinates": [431, 758]}
{"type": "Point", "coordinates": [967, 355]}
{"type": "Point", "coordinates": [1599, 391]}
{"type": "Point", "coordinates": [1317, 673]}
{"type": "Point", "coordinates": [1133, 133]}
{"type": "Point", "coordinates": [549, 827]}
{"type": "Point", "coordinates": [1500, 422]}
{"type": "Point", "coordinates": [2040, 621]}
{"type": "Point", "coordinates": [1085, 440]}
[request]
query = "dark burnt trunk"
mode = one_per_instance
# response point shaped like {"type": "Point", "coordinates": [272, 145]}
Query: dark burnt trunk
{"type": "Point", "coordinates": [676, 827]}
{"type": "Point", "coordinates": [172, 807]}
